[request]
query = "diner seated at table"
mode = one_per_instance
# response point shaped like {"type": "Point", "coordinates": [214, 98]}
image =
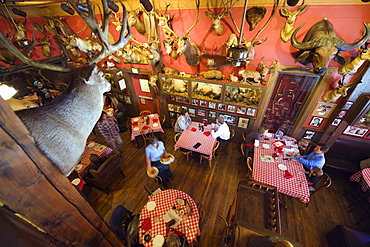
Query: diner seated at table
{"type": "Point", "coordinates": [314, 159]}
{"type": "Point", "coordinates": [182, 122]}
{"type": "Point", "coordinates": [302, 146]}
{"type": "Point", "coordinates": [220, 131]}
{"type": "Point", "coordinates": [110, 131]}
{"type": "Point", "coordinates": [96, 162]}
{"type": "Point", "coordinates": [153, 153]}
{"type": "Point", "coordinates": [252, 136]}
{"type": "Point", "coordinates": [313, 177]}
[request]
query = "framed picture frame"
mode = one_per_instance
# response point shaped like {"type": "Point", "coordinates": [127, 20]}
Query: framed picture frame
{"type": "Point", "coordinates": [249, 96]}
{"type": "Point", "coordinates": [231, 108]}
{"type": "Point", "coordinates": [201, 112]}
{"type": "Point", "coordinates": [171, 107]}
{"type": "Point", "coordinates": [251, 112]}
{"type": "Point", "coordinates": [202, 103]}
{"type": "Point", "coordinates": [243, 122]}
{"type": "Point", "coordinates": [172, 97]}
{"type": "Point", "coordinates": [121, 97]}
{"type": "Point", "coordinates": [194, 101]}
{"type": "Point", "coordinates": [355, 131]}
{"type": "Point", "coordinates": [191, 112]}
{"type": "Point", "coordinates": [323, 109]}
{"type": "Point", "coordinates": [186, 100]}
{"type": "Point", "coordinates": [342, 114]}
{"type": "Point", "coordinates": [144, 85]}
{"type": "Point", "coordinates": [212, 105]}
{"type": "Point", "coordinates": [228, 118]}
{"type": "Point", "coordinates": [127, 99]}
{"type": "Point", "coordinates": [316, 121]}
{"type": "Point", "coordinates": [367, 136]}
{"type": "Point", "coordinates": [308, 135]}
{"type": "Point", "coordinates": [241, 110]}
{"type": "Point", "coordinates": [336, 122]}
{"type": "Point", "coordinates": [222, 107]}
{"type": "Point", "coordinates": [178, 108]}
{"type": "Point", "coordinates": [172, 115]}
{"type": "Point", "coordinates": [184, 108]}
{"type": "Point", "coordinates": [179, 99]}
{"type": "Point", "coordinates": [212, 114]}
{"type": "Point", "coordinates": [213, 90]}
{"type": "Point", "coordinates": [348, 105]}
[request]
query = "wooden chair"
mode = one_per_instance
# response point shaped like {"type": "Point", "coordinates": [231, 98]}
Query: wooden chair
{"type": "Point", "coordinates": [153, 186]}
{"type": "Point", "coordinates": [232, 134]}
{"type": "Point", "coordinates": [163, 120]}
{"type": "Point", "coordinates": [146, 136]}
{"type": "Point", "coordinates": [207, 156]}
{"type": "Point", "coordinates": [249, 163]}
{"type": "Point", "coordinates": [244, 136]}
{"type": "Point", "coordinates": [324, 182]}
{"type": "Point", "coordinates": [145, 112]}
{"type": "Point", "coordinates": [184, 151]}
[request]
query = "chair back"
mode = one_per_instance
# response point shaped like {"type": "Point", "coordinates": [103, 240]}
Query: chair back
{"type": "Point", "coordinates": [242, 149]}
{"type": "Point", "coordinates": [244, 136]}
{"type": "Point", "coordinates": [119, 221]}
{"type": "Point", "coordinates": [324, 182]}
{"type": "Point", "coordinates": [249, 163]}
{"type": "Point", "coordinates": [129, 125]}
{"type": "Point", "coordinates": [146, 136]}
{"type": "Point", "coordinates": [163, 119]}
{"type": "Point", "coordinates": [215, 148]}
{"type": "Point", "coordinates": [145, 112]}
{"type": "Point", "coordinates": [176, 137]}
{"type": "Point", "coordinates": [153, 186]}
{"type": "Point", "coordinates": [232, 132]}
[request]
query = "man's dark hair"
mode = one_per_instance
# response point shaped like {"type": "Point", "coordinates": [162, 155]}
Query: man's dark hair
{"type": "Point", "coordinates": [183, 111]}
{"type": "Point", "coordinates": [323, 147]}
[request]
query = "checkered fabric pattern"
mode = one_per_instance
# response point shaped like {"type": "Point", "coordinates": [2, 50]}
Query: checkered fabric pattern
{"type": "Point", "coordinates": [164, 201]}
{"type": "Point", "coordinates": [365, 182]}
{"type": "Point", "coordinates": [137, 128]}
{"type": "Point", "coordinates": [269, 173]}
{"type": "Point", "coordinates": [189, 138]}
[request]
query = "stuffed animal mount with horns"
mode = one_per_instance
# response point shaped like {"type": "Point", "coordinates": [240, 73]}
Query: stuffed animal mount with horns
{"type": "Point", "coordinates": [321, 44]}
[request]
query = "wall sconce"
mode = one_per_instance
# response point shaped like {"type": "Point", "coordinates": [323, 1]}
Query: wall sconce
{"type": "Point", "coordinates": [19, 12]}
{"type": "Point", "coordinates": [67, 9]}
{"type": "Point", "coordinates": [113, 6]}
{"type": "Point", "coordinates": [147, 5]}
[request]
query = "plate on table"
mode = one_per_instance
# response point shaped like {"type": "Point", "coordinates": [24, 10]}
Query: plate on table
{"type": "Point", "coordinates": [90, 145]}
{"type": "Point", "coordinates": [180, 201]}
{"type": "Point", "coordinates": [155, 125]}
{"type": "Point", "coordinates": [151, 115]}
{"type": "Point", "coordinates": [136, 129]}
{"type": "Point", "coordinates": [268, 135]}
{"type": "Point", "coordinates": [265, 146]}
{"type": "Point", "coordinates": [150, 206]}
{"type": "Point", "coordinates": [136, 120]}
{"type": "Point", "coordinates": [158, 241]}
{"type": "Point", "coordinates": [78, 167]}
{"type": "Point", "coordinates": [76, 181]}
{"type": "Point", "coordinates": [282, 167]}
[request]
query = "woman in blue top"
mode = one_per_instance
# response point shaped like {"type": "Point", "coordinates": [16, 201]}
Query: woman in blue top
{"type": "Point", "coordinates": [153, 153]}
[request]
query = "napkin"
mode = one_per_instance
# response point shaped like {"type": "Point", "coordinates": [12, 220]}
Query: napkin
{"type": "Point", "coordinates": [135, 123]}
{"type": "Point", "coordinates": [287, 174]}
{"type": "Point", "coordinates": [207, 133]}
{"type": "Point", "coordinates": [193, 129]}
{"type": "Point", "coordinates": [146, 225]}
{"type": "Point", "coordinates": [145, 127]}
{"type": "Point", "coordinates": [155, 120]}
{"type": "Point", "coordinates": [174, 231]}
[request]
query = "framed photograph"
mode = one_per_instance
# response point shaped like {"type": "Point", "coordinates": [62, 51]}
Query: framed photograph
{"type": "Point", "coordinates": [203, 103]}
{"type": "Point", "coordinates": [184, 107]}
{"type": "Point", "coordinates": [316, 121]}
{"type": "Point", "coordinates": [251, 112]}
{"type": "Point", "coordinates": [187, 100]}
{"type": "Point", "coordinates": [336, 122]}
{"type": "Point", "coordinates": [212, 105]}
{"type": "Point", "coordinates": [243, 122]}
{"type": "Point", "coordinates": [367, 136]}
{"type": "Point", "coordinates": [175, 86]}
{"type": "Point", "coordinates": [177, 108]}
{"type": "Point", "coordinates": [194, 101]}
{"type": "Point", "coordinates": [122, 84]}
{"type": "Point", "coordinates": [127, 99]}
{"type": "Point", "coordinates": [173, 115]}
{"type": "Point", "coordinates": [348, 105]}
{"type": "Point", "coordinates": [171, 107]}
{"type": "Point", "coordinates": [213, 90]}
{"type": "Point", "coordinates": [172, 97]}
{"type": "Point", "coordinates": [231, 108]}
{"type": "Point", "coordinates": [241, 110]}
{"type": "Point", "coordinates": [144, 85]}
{"type": "Point", "coordinates": [228, 118]}
{"type": "Point", "coordinates": [308, 135]}
{"type": "Point", "coordinates": [201, 113]}
{"type": "Point", "coordinates": [355, 131]}
{"type": "Point", "coordinates": [121, 97]}
{"type": "Point", "coordinates": [222, 107]}
{"type": "Point", "coordinates": [245, 96]}
{"type": "Point", "coordinates": [191, 112]}
{"type": "Point", "coordinates": [212, 114]}
{"type": "Point", "coordinates": [323, 109]}
{"type": "Point", "coordinates": [179, 99]}
{"type": "Point", "coordinates": [342, 114]}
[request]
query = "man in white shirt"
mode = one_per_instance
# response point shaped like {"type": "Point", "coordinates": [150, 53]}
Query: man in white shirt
{"type": "Point", "coordinates": [220, 131]}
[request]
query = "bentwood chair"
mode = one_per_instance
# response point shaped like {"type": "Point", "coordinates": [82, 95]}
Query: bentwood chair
{"type": "Point", "coordinates": [145, 112]}
{"type": "Point", "coordinates": [249, 163]}
{"type": "Point", "coordinates": [324, 182]}
{"type": "Point", "coordinates": [207, 156]}
{"type": "Point", "coordinates": [153, 186]}
{"type": "Point", "coordinates": [146, 135]}
{"type": "Point", "coordinates": [184, 151]}
{"type": "Point", "coordinates": [244, 136]}
{"type": "Point", "coordinates": [119, 220]}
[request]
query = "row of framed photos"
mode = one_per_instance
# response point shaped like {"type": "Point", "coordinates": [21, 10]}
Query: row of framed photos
{"type": "Point", "coordinates": [240, 122]}
{"type": "Point", "coordinates": [242, 110]}
{"type": "Point", "coordinates": [350, 130]}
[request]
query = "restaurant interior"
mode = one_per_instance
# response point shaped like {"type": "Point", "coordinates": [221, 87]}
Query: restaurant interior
{"type": "Point", "coordinates": [298, 68]}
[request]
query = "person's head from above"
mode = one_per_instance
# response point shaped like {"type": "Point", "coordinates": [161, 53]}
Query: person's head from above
{"type": "Point", "coordinates": [94, 158]}
{"type": "Point", "coordinates": [303, 143]}
{"type": "Point", "coordinates": [153, 141]}
{"type": "Point", "coordinates": [220, 120]}
{"type": "Point", "coordinates": [103, 116]}
{"type": "Point", "coordinates": [317, 172]}
{"type": "Point", "coordinates": [38, 84]}
{"type": "Point", "coordinates": [321, 148]}
{"type": "Point", "coordinates": [185, 113]}
{"type": "Point", "coordinates": [262, 130]}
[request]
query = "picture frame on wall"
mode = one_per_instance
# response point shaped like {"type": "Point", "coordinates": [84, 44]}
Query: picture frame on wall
{"type": "Point", "coordinates": [316, 121]}
{"type": "Point", "coordinates": [231, 108]}
{"type": "Point", "coordinates": [222, 107]}
{"type": "Point", "coordinates": [336, 122]}
{"type": "Point", "coordinates": [355, 131]}
{"type": "Point", "coordinates": [172, 97]}
{"type": "Point", "coordinates": [228, 118]}
{"type": "Point", "coordinates": [323, 109]}
{"type": "Point", "coordinates": [187, 100]}
{"type": "Point", "coordinates": [348, 105]}
{"type": "Point", "coordinates": [241, 110]}
{"type": "Point", "coordinates": [178, 108]}
{"type": "Point", "coordinates": [127, 99]}
{"type": "Point", "coordinates": [243, 122]}
{"type": "Point", "coordinates": [203, 103]}
{"type": "Point", "coordinates": [308, 135]}
{"type": "Point", "coordinates": [212, 105]}
{"type": "Point", "coordinates": [194, 101]}
{"type": "Point", "coordinates": [184, 108]}
{"type": "Point", "coordinates": [172, 115]}
{"type": "Point", "coordinates": [342, 114]}
{"type": "Point", "coordinates": [144, 85]}
{"type": "Point", "coordinates": [251, 112]}
{"type": "Point", "coordinates": [367, 136]}
{"type": "Point", "coordinates": [191, 112]}
{"type": "Point", "coordinates": [179, 99]}
{"type": "Point", "coordinates": [201, 112]}
{"type": "Point", "coordinates": [171, 107]}
{"type": "Point", "coordinates": [212, 114]}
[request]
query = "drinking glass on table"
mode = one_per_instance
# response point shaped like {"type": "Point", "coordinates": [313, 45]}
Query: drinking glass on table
{"type": "Point", "coordinates": [256, 143]}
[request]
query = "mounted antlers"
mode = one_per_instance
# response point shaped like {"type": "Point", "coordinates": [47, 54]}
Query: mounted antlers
{"type": "Point", "coordinates": [217, 16]}
{"type": "Point", "coordinates": [291, 16]}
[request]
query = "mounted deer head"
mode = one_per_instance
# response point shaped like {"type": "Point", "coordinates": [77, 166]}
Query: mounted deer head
{"type": "Point", "coordinates": [220, 13]}
{"type": "Point", "coordinates": [334, 94]}
{"type": "Point", "coordinates": [190, 50]}
{"type": "Point", "coordinates": [135, 21]}
{"type": "Point", "coordinates": [351, 67]}
{"type": "Point", "coordinates": [163, 20]}
{"type": "Point", "coordinates": [291, 16]}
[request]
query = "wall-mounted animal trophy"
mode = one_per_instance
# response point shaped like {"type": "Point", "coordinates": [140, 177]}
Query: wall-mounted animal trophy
{"type": "Point", "coordinates": [218, 14]}
{"type": "Point", "coordinates": [321, 44]}
{"type": "Point", "coordinates": [61, 128]}
{"type": "Point", "coordinates": [135, 21]}
{"type": "Point", "coordinates": [255, 15]}
{"type": "Point", "coordinates": [334, 94]}
{"type": "Point", "coordinates": [291, 16]}
{"type": "Point", "coordinates": [351, 67]}
{"type": "Point", "coordinates": [163, 22]}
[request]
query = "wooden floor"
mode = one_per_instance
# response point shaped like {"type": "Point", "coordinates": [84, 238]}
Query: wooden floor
{"type": "Point", "coordinates": [215, 188]}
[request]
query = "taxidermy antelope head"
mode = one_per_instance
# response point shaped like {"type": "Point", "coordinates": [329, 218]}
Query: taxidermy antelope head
{"type": "Point", "coordinates": [291, 16]}
{"type": "Point", "coordinates": [170, 48]}
{"type": "Point", "coordinates": [135, 21]}
{"type": "Point", "coordinates": [61, 128]}
{"type": "Point", "coordinates": [334, 94]}
{"type": "Point", "coordinates": [163, 20]}
{"type": "Point", "coordinates": [190, 50]}
{"type": "Point", "coordinates": [351, 67]}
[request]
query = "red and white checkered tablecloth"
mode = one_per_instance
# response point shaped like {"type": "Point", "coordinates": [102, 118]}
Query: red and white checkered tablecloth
{"type": "Point", "coordinates": [164, 201]}
{"type": "Point", "coordinates": [269, 173]}
{"type": "Point", "coordinates": [189, 138]}
{"type": "Point", "coordinates": [91, 148]}
{"type": "Point", "coordinates": [155, 125]}
{"type": "Point", "coordinates": [365, 182]}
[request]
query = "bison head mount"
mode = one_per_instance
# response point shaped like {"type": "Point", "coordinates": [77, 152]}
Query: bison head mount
{"type": "Point", "coordinates": [321, 44]}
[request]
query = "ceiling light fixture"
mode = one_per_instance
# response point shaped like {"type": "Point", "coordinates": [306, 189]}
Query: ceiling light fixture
{"type": "Point", "coordinates": [7, 92]}
{"type": "Point", "coordinates": [113, 6]}
{"type": "Point", "coordinates": [67, 9]}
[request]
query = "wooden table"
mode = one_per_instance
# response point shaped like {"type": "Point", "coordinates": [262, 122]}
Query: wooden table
{"type": "Point", "coordinates": [365, 181]}
{"type": "Point", "coordinates": [138, 125]}
{"type": "Point", "coordinates": [165, 201]}
{"type": "Point", "coordinates": [269, 173]}
{"type": "Point", "coordinates": [189, 138]}
{"type": "Point", "coordinates": [91, 148]}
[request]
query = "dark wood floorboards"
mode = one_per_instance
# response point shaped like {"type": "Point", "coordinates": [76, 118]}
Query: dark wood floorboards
{"type": "Point", "coordinates": [215, 188]}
